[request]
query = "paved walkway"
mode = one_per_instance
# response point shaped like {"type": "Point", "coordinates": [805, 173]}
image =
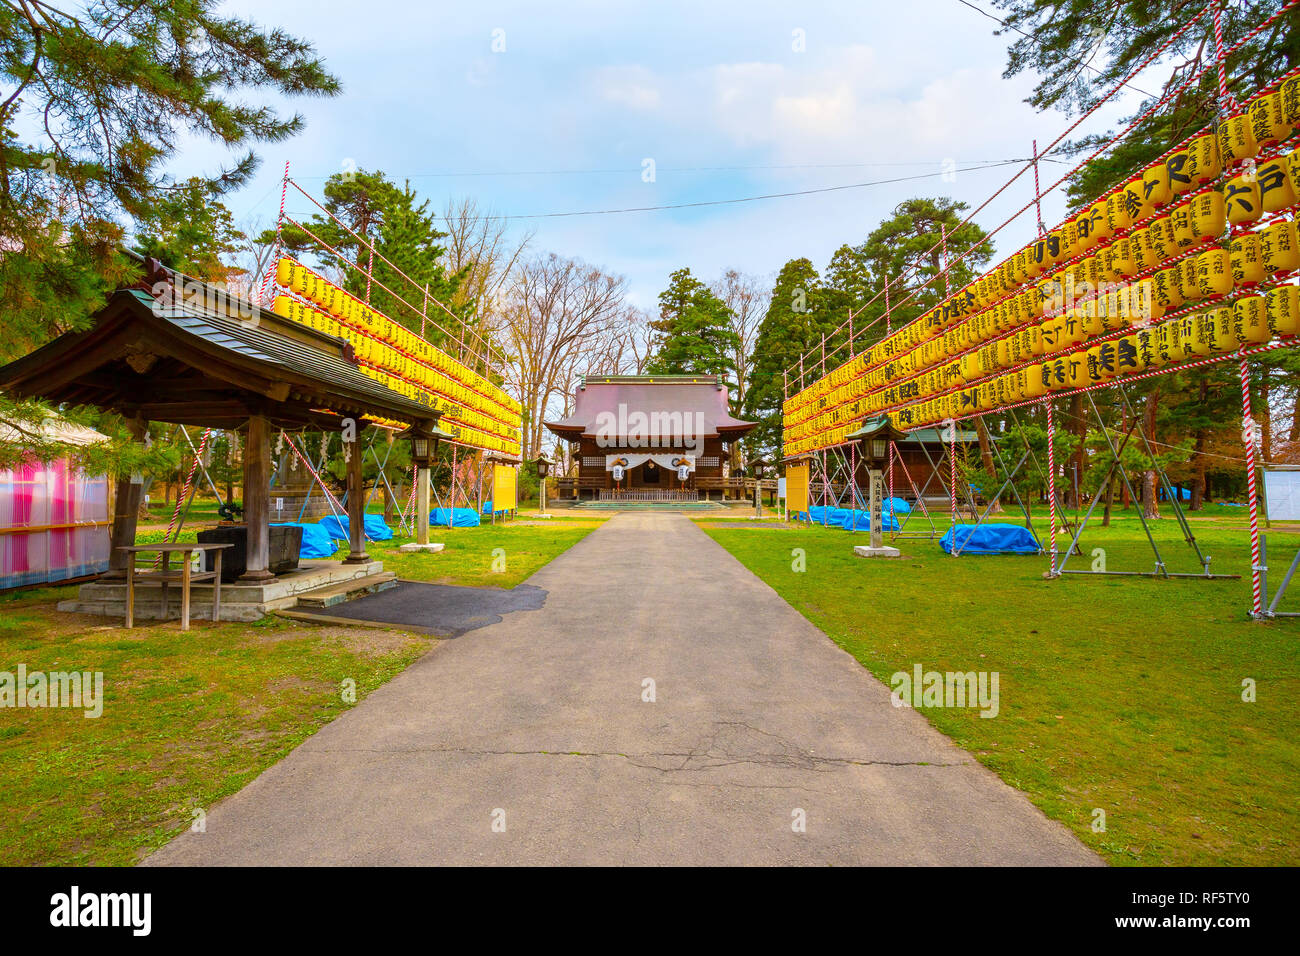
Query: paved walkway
{"type": "Point", "coordinates": [539, 721]}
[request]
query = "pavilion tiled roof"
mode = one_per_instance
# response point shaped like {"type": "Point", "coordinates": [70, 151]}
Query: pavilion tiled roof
{"type": "Point", "coordinates": [598, 397]}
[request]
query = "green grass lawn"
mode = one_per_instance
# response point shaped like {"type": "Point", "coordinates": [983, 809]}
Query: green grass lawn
{"type": "Point", "coordinates": [192, 717]}
{"type": "Point", "coordinates": [188, 718]}
{"type": "Point", "coordinates": [1120, 694]}
{"type": "Point", "coordinates": [486, 556]}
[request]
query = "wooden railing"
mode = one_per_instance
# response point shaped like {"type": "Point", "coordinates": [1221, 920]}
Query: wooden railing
{"type": "Point", "coordinates": [648, 494]}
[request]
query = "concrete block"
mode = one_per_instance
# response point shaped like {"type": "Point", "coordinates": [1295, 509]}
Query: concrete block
{"type": "Point", "coordinates": [885, 551]}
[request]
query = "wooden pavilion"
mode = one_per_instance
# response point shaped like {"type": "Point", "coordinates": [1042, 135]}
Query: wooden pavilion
{"type": "Point", "coordinates": [173, 350]}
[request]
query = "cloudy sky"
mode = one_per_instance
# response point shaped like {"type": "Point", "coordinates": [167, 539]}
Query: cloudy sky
{"type": "Point", "coordinates": [537, 109]}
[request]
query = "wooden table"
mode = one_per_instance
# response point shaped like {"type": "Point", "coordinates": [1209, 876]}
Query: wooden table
{"type": "Point", "coordinates": [183, 574]}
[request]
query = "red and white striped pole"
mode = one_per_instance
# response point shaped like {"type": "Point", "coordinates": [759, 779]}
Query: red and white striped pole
{"type": "Point", "coordinates": [954, 550]}
{"type": "Point", "coordinates": [1051, 485]}
{"type": "Point", "coordinates": [1226, 105]}
{"type": "Point", "coordinates": [1225, 98]}
{"type": "Point", "coordinates": [185, 492]}
{"type": "Point", "coordinates": [1252, 493]}
{"type": "Point", "coordinates": [275, 251]}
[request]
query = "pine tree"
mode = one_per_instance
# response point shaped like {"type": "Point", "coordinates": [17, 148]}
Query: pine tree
{"type": "Point", "coordinates": [100, 95]}
{"type": "Point", "coordinates": [796, 321]}
{"type": "Point", "coordinates": [693, 334]}
{"type": "Point", "coordinates": [97, 98]}
{"type": "Point", "coordinates": [1083, 50]}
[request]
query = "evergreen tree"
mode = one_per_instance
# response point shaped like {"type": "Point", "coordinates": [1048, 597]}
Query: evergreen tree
{"type": "Point", "coordinates": [797, 318]}
{"type": "Point", "coordinates": [98, 94]}
{"type": "Point", "coordinates": [693, 334]}
{"type": "Point", "coordinates": [374, 210]}
{"type": "Point", "coordinates": [190, 231]}
{"type": "Point", "coordinates": [1083, 50]}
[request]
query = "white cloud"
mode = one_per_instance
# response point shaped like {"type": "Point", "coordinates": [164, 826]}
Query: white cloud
{"type": "Point", "coordinates": [633, 87]}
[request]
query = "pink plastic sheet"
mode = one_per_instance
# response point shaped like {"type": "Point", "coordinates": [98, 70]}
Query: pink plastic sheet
{"type": "Point", "coordinates": [67, 511]}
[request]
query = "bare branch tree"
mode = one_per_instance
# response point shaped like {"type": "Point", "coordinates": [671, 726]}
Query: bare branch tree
{"type": "Point", "coordinates": [553, 312]}
{"type": "Point", "coordinates": [746, 297]}
{"type": "Point", "coordinates": [480, 245]}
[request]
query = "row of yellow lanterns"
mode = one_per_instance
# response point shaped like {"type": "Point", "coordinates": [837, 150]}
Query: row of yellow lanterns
{"type": "Point", "coordinates": [1251, 320]}
{"type": "Point", "coordinates": [379, 338]}
{"type": "Point", "coordinates": [1267, 120]}
{"type": "Point", "coordinates": [1272, 186]}
{"type": "Point", "coordinates": [1251, 259]}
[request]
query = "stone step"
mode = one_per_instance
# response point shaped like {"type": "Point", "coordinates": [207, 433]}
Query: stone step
{"type": "Point", "coordinates": [348, 590]}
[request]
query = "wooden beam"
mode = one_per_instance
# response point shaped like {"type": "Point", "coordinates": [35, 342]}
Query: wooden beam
{"type": "Point", "coordinates": [126, 512]}
{"type": "Point", "coordinates": [198, 412]}
{"type": "Point", "coordinates": [356, 507]}
{"type": "Point", "coordinates": [257, 499]}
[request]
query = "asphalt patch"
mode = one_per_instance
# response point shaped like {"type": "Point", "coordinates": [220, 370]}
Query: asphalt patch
{"type": "Point", "coordinates": [442, 609]}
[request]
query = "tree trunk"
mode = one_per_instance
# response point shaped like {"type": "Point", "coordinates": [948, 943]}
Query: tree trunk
{"type": "Point", "coordinates": [1198, 456]}
{"type": "Point", "coordinates": [1150, 506]}
{"type": "Point", "coordinates": [986, 456]}
{"type": "Point", "coordinates": [1123, 490]}
{"type": "Point", "coordinates": [1079, 426]}
{"type": "Point", "coordinates": [1259, 405]}
{"type": "Point", "coordinates": [1110, 498]}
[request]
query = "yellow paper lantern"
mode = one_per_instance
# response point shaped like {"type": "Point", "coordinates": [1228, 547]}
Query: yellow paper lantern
{"type": "Point", "coordinates": [1117, 213]}
{"type": "Point", "coordinates": [1101, 363]}
{"type": "Point", "coordinates": [1135, 202]}
{"type": "Point", "coordinates": [1284, 310]}
{"type": "Point", "coordinates": [1205, 164]}
{"type": "Point", "coordinates": [1156, 191]}
{"type": "Point", "coordinates": [1167, 288]}
{"type": "Point", "coordinates": [1279, 247]}
{"type": "Point", "coordinates": [1180, 221]}
{"type": "Point", "coordinates": [1168, 345]}
{"type": "Point", "coordinates": [1245, 260]}
{"type": "Point", "coordinates": [1242, 198]}
{"type": "Point", "coordinates": [1236, 141]}
{"type": "Point", "coordinates": [1129, 357]}
{"type": "Point", "coordinates": [1208, 215]}
{"type": "Point", "coordinates": [1268, 125]}
{"type": "Point", "coordinates": [1250, 320]}
{"type": "Point", "coordinates": [1188, 332]}
{"type": "Point", "coordinates": [1214, 273]}
{"type": "Point", "coordinates": [1291, 102]}
{"type": "Point", "coordinates": [1187, 280]}
{"type": "Point", "coordinates": [1177, 170]}
{"type": "Point", "coordinates": [1277, 191]}
{"type": "Point", "coordinates": [1217, 329]}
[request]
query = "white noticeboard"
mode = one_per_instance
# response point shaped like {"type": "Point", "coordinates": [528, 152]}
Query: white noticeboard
{"type": "Point", "coordinates": [1282, 495]}
{"type": "Point", "coordinates": [780, 487]}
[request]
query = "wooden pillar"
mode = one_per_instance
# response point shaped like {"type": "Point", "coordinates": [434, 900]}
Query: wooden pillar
{"type": "Point", "coordinates": [126, 511]}
{"type": "Point", "coordinates": [422, 506]}
{"type": "Point", "coordinates": [257, 499]}
{"type": "Point", "coordinates": [356, 508]}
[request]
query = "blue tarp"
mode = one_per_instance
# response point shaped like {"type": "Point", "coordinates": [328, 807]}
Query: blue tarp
{"type": "Point", "coordinates": [848, 518]}
{"type": "Point", "coordinates": [338, 528]}
{"type": "Point", "coordinates": [487, 509]}
{"type": "Point", "coordinates": [316, 541]}
{"type": "Point", "coordinates": [990, 539]}
{"type": "Point", "coordinates": [459, 517]}
{"type": "Point", "coordinates": [896, 506]}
